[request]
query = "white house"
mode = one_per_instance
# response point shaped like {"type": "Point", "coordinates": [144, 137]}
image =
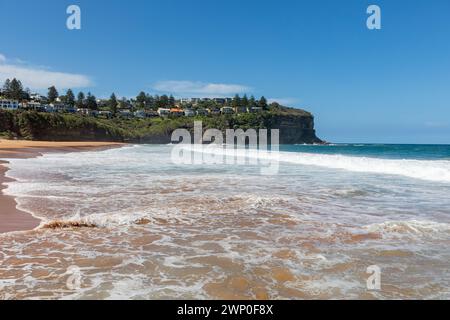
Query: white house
{"type": "Point", "coordinates": [7, 104]}
{"type": "Point", "coordinates": [226, 110]}
{"type": "Point", "coordinates": [37, 97]}
{"type": "Point", "coordinates": [140, 114]}
{"type": "Point", "coordinates": [163, 112]}
{"type": "Point", "coordinates": [202, 112]}
{"type": "Point", "coordinates": [33, 105]}
{"type": "Point", "coordinates": [126, 113]}
{"type": "Point", "coordinates": [61, 107]}
{"type": "Point", "coordinates": [189, 112]}
{"type": "Point", "coordinates": [254, 109]}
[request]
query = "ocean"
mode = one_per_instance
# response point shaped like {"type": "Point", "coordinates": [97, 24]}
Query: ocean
{"type": "Point", "coordinates": [159, 229]}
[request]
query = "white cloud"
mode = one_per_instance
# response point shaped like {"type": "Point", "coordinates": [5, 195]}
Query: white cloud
{"type": "Point", "coordinates": [38, 78]}
{"type": "Point", "coordinates": [193, 88]}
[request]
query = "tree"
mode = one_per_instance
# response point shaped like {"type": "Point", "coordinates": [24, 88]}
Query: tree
{"type": "Point", "coordinates": [80, 100]}
{"type": "Point", "coordinates": [141, 99]}
{"type": "Point", "coordinates": [26, 94]}
{"type": "Point", "coordinates": [149, 101]}
{"type": "Point", "coordinates": [171, 101]}
{"type": "Point", "coordinates": [236, 102]}
{"type": "Point", "coordinates": [123, 103]}
{"type": "Point", "coordinates": [252, 102]}
{"type": "Point", "coordinates": [52, 94]}
{"type": "Point", "coordinates": [91, 102]}
{"type": "Point", "coordinates": [7, 88]}
{"type": "Point", "coordinates": [13, 89]}
{"type": "Point", "coordinates": [70, 98]}
{"type": "Point", "coordinates": [112, 104]}
{"type": "Point", "coordinates": [263, 103]}
{"type": "Point", "coordinates": [162, 102]}
{"type": "Point", "coordinates": [244, 101]}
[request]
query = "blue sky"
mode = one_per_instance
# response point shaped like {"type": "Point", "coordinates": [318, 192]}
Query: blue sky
{"type": "Point", "coordinates": [389, 85]}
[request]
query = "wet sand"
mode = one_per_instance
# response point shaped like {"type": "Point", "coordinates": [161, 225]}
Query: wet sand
{"type": "Point", "coordinates": [12, 219]}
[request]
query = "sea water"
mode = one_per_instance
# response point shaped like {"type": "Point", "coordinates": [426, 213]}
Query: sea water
{"type": "Point", "coordinates": [161, 229]}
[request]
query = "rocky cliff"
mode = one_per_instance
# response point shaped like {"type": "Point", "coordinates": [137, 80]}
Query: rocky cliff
{"type": "Point", "coordinates": [296, 126]}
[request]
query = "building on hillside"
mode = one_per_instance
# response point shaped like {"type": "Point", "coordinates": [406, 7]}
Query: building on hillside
{"type": "Point", "coordinates": [254, 109]}
{"type": "Point", "coordinates": [126, 113]}
{"type": "Point", "coordinates": [189, 112]}
{"type": "Point", "coordinates": [226, 110]}
{"type": "Point", "coordinates": [37, 97]}
{"type": "Point", "coordinates": [219, 100]}
{"type": "Point", "coordinates": [33, 105]}
{"type": "Point", "coordinates": [177, 112]}
{"type": "Point", "coordinates": [105, 114]}
{"type": "Point", "coordinates": [151, 114]}
{"type": "Point", "coordinates": [240, 109]}
{"type": "Point", "coordinates": [202, 112]}
{"type": "Point", "coordinates": [213, 111]}
{"type": "Point", "coordinates": [195, 101]}
{"type": "Point", "coordinates": [63, 108]}
{"type": "Point", "coordinates": [163, 112]}
{"type": "Point", "coordinates": [185, 100]}
{"type": "Point", "coordinates": [88, 112]}
{"type": "Point", "coordinates": [7, 104]}
{"type": "Point", "coordinates": [140, 114]}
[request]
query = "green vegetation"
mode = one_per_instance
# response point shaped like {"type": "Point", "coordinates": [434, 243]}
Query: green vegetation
{"type": "Point", "coordinates": [34, 125]}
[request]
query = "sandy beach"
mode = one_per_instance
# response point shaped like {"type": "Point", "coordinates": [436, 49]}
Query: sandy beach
{"type": "Point", "coordinates": [12, 219]}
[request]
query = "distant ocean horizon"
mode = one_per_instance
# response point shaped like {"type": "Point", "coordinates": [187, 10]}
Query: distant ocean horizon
{"type": "Point", "coordinates": [166, 230]}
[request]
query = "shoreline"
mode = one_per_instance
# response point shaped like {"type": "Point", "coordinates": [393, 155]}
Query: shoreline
{"type": "Point", "coordinates": [11, 218]}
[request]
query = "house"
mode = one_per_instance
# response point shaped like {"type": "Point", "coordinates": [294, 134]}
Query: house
{"type": "Point", "coordinates": [219, 100]}
{"type": "Point", "coordinates": [146, 114]}
{"type": "Point", "coordinates": [48, 108]}
{"type": "Point", "coordinates": [177, 112]}
{"type": "Point", "coordinates": [33, 105]}
{"type": "Point", "coordinates": [226, 110]}
{"type": "Point", "coordinates": [240, 109]}
{"type": "Point", "coordinates": [105, 114]}
{"type": "Point", "coordinates": [88, 112]}
{"type": "Point", "coordinates": [185, 100]}
{"type": "Point", "coordinates": [254, 109]}
{"type": "Point", "coordinates": [61, 107]}
{"type": "Point", "coordinates": [163, 112]}
{"type": "Point", "coordinates": [140, 114]}
{"type": "Point", "coordinates": [213, 111]}
{"type": "Point", "coordinates": [37, 97]}
{"type": "Point", "coordinates": [189, 112]}
{"type": "Point", "coordinates": [151, 113]}
{"type": "Point", "coordinates": [195, 101]}
{"type": "Point", "coordinates": [126, 113]}
{"type": "Point", "coordinates": [202, 112]}
{"type": "Point", "coordinates": [7, 104]}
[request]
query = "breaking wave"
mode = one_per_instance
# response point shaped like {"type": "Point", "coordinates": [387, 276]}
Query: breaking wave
{"type": "Point", "coordinates": [430, 170]}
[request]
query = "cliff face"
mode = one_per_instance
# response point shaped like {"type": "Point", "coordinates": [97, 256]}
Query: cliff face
{"type": "Point", "coordinates": [296, 126]}
{"type": "Point", "coordinates": [296, 129]}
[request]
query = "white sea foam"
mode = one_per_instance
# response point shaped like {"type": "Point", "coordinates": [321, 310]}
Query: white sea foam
{"type": "Point", "coordinates": [430, 170]}
{"type": "Point", "coordinates": [412, 228]}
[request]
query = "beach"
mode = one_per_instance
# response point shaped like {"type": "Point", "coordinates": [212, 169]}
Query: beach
{"type": "Point", "coordinates": [12, 219]}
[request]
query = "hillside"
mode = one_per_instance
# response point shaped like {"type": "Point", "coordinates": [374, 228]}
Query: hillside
{"type": "Point", "coordinates": [296, 126]}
